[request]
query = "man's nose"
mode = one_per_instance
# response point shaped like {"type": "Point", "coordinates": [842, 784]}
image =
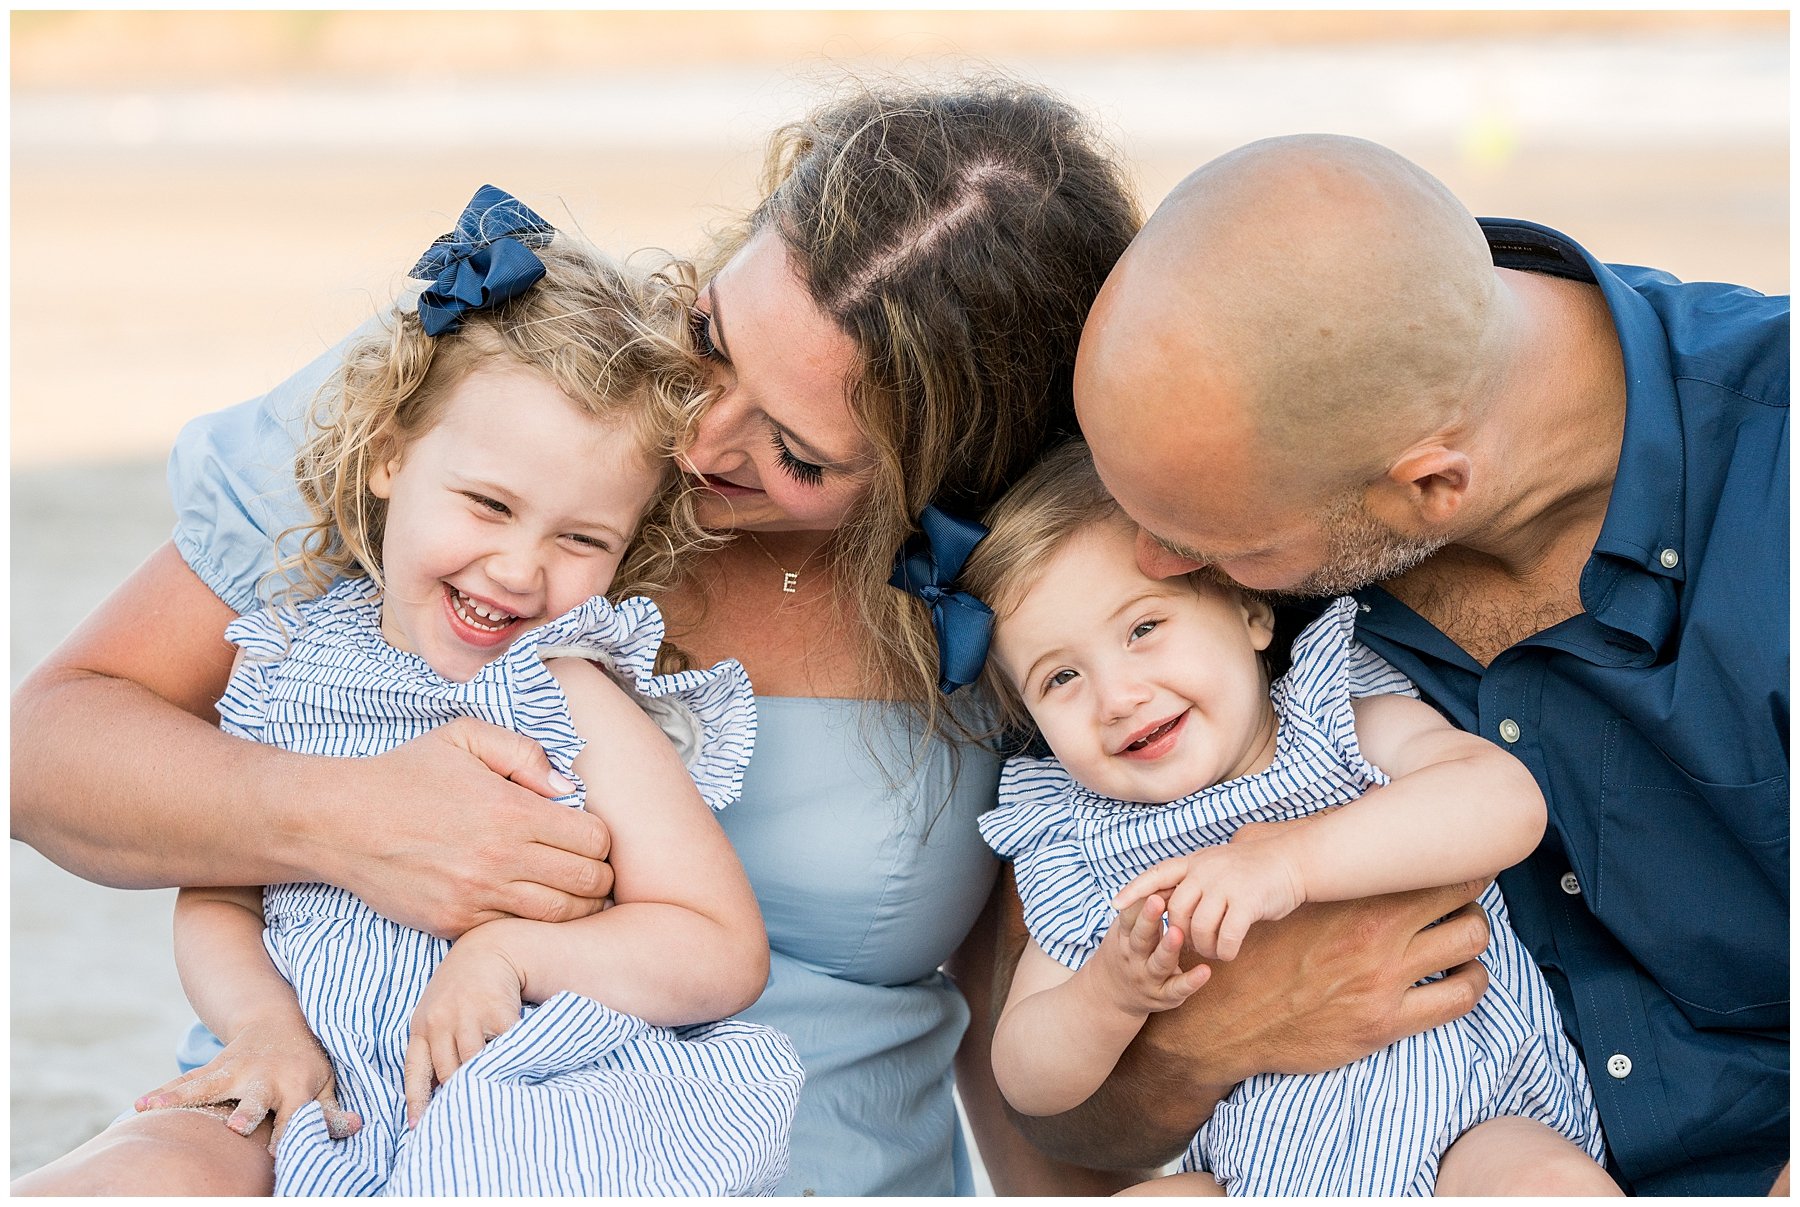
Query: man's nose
{"type": "Point", "coordinates": [1156, 561]}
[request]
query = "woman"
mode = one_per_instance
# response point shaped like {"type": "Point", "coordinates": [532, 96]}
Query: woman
{"type": "Point", "coordinates": [894, 328]}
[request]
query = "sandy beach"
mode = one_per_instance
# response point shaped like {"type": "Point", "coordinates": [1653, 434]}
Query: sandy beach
{"type": "Point", "coordinates": [180, 244]}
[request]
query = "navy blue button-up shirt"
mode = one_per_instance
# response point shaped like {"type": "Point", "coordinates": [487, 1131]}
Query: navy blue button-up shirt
{"type": "Point", "coordinates": [1656, 723]}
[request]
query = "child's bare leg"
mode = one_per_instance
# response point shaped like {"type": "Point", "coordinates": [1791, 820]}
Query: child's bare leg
{"type": "Point", "coordinates": [1515, 1156]}
{"type": "Point", "coordinates": [1186, 1185]}
{"type": "Point", "coordinates": [184, 1151]}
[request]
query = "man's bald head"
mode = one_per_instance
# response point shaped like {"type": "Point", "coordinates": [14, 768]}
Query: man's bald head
{"type": "Point", "coordinates": [1319, 295]}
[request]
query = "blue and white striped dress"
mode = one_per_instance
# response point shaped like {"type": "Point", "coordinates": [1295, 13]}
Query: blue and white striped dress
{"type": "Point", "coordinates": [576, 1098]}
{"type": "Point", "coordinates": [1375, 1127]}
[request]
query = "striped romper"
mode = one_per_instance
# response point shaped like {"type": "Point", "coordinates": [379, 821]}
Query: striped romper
{"type": "Point", "coordinates": [1375, 1127]}
{"type": "Point", "coordinates": [575, 1098]}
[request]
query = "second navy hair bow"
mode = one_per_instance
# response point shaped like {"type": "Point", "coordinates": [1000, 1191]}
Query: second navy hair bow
{"type": "Point", "coordinates": [485, 260]}
{"type": "Point", "coordinates": [927, 567]}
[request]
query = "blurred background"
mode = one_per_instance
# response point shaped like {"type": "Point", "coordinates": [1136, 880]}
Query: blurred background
{"type": "Point", "coordinates": [203, 201]}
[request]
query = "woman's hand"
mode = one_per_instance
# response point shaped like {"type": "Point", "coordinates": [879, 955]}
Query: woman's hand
{"type": "Point", "coordinates": [455, 828]}
{"type": "Point", "coordinates": [271, 1067]}
{"type": "Point", "coordinates": [434, 834]}
{"type": "Point", "coordinates": [475, 995]}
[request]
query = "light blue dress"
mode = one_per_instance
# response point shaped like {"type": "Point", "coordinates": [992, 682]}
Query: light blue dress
{"type": "Point", "coordinates": [574, 1098]}
{"type": "Point", "coordinates": [1374, 1127]}
{"type": "Point", "coordinates": [866, 886]}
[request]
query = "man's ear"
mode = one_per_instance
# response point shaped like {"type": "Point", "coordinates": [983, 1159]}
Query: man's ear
{"type": "Point", "coordinates": [1259, 618]}
{"type": "Point", "coordinates": [1424, 489]}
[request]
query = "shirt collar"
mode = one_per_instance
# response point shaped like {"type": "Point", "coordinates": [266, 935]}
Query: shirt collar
{"type": "Point", "coordinates": [1629, 582]}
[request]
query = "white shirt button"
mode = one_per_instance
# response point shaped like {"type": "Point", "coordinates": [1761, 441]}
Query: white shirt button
{"type": "Point", "coordinates": [1619, 1065]}
{"type": "Point", "coordinates": [1571, 886]}
{"type": "Point", "coordinates": [1509, 731]}
{"type": "Point", "coordinates": [1669, 558]}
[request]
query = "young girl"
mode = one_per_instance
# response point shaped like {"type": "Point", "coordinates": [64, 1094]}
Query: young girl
{"type": "Point", "coordinates": [1153, 698]}
{"type": "Point", "coordinates": [484, 471]}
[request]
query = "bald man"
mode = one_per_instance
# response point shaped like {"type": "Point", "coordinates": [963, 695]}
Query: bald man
{"type": "Point", "coordinates": [1559, 491]}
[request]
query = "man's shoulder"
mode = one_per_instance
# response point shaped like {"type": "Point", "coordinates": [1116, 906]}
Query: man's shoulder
{"type": "Point", "coordinates": [1718, 334]}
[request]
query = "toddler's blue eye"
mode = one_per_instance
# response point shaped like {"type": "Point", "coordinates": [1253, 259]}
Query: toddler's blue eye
{"type": "Point", "coordinates": [1060, 677]}
{"type": "Point", "coordinates": [1143, 628]}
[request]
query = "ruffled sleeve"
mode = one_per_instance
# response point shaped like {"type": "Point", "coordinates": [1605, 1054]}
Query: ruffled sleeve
{"type": "Point", "coordinates": [1067, 907]}
{"type": "Point", "coordinates": [708, 714]}
{"type": "Point", "coordinates": [1330, 669]}
{"type": "Point", "coordinates": [264, 638]}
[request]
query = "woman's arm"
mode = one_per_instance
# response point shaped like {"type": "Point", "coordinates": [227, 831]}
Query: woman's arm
{"type": "Point", "coordinates": [427, 834]}
{"type": "Point", "coordinates": [684, 941]}
{"type": "Point", "coordinates": [1014, 1164]}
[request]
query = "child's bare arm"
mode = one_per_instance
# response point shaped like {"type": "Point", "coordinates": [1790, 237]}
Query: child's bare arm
{"type": "Point", "coordinates": [684, 942]}
{"type": "Point", "coordinates": [1061, 1032]}
{"type": "Point", "coordinates": [1458, 808]}
{"type": "Point", "coordinates": [272, 1063]}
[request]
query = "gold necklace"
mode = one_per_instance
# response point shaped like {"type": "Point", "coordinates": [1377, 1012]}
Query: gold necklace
{"type": "Point", "coordinates": [790, 579]}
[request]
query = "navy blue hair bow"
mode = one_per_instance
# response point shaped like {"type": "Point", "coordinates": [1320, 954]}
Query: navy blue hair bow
{"type": "Point", "coordinates": [485, 260]}
{"type": "Point", "coordinates": [927, 566]}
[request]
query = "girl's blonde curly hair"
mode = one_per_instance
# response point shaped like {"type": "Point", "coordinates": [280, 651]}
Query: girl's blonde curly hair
{"type": "Point", "coordinates": [614, 340]}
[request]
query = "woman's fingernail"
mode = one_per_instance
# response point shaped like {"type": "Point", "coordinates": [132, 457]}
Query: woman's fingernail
{"type": "Point", "coordinates": [562, 783]}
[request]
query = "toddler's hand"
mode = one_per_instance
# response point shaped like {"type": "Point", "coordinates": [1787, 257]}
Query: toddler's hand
{"type": "Point", "coordinates": [1216, 893]}
{"type": "Point", "coordinates": [473, 997]}
{"type": "Point", "coordinates": [271, 1067]}
{"type": "Point", "coordinates": [1140, 962]}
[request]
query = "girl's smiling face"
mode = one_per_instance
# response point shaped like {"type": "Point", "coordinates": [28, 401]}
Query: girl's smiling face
{"type": "Point", "coordinates": [512, 509]}
{"type": "Point", "coordinates": [778, 449]}
{"type": "Point", "coordinates": [1145, 689]}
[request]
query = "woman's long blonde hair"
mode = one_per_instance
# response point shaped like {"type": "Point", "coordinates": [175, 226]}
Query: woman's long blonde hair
{"type": "Point", "coordinates": [613, 340]}
{"type": "Point", "coordinates": [959, 234]}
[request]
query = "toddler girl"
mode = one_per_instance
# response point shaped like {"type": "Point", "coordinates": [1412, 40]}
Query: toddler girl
{"type": "Point", "coordinates": [479, 476]}
{"type": "Point", "coordinates": [1153, 699]}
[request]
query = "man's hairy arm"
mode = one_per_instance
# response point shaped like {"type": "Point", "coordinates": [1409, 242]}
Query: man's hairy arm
{"type": "Point", "coordinates": [1329, 984]}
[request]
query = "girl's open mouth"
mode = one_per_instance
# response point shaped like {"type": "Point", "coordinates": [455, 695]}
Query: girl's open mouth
{"type": "Point", "coordinates": [478, 623]}
{"type": "Point", "coordinates": [1158, 741]}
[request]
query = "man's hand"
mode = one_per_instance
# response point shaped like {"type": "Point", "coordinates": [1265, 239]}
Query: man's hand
{"type": "Point", "coordinates": [1329, 984]}
{"type": "Point", "coordinates": [455, 828]}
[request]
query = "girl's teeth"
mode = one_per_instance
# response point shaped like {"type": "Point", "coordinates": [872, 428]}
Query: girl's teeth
{"type": "Point", "coordinates": [465, 606]}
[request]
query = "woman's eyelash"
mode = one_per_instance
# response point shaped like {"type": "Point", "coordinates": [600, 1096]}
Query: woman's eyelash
{"type": "Point", "coordinates": [700, 327]}
{"type": "Point", "coordinates": [804, 472]}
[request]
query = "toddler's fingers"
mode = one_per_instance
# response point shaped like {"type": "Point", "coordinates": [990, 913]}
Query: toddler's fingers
{"type": "Point", "coordinates": [444, 1061]}
{"type": "Point", "coordinates": [252, 1107]}
{"type": "Point", "coordinates": [339, 1123]}
{"type": "Point", "coordinates": [471, 1037]}
{"type": "Point", "coordinates": [1146, 928]}
{"type": "Point", "coordinates": [1204, 937]}
{"type": "Point", "coordinates": [192, 1088]}
{"type": "Point", "coordinates": [1232, 929]}
{"type": "Point", "coordinates": [416, 1077]}
{"type": "Point", "coordinates": [1192, 979]}
{"type": "Point", "coordinates": [1157, 879]}
{"type": "Point", "coordinates": [1165, 961]}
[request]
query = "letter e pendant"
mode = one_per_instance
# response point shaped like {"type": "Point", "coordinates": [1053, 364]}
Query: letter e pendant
{"type": "Point", "coordinates": [789, 579]}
